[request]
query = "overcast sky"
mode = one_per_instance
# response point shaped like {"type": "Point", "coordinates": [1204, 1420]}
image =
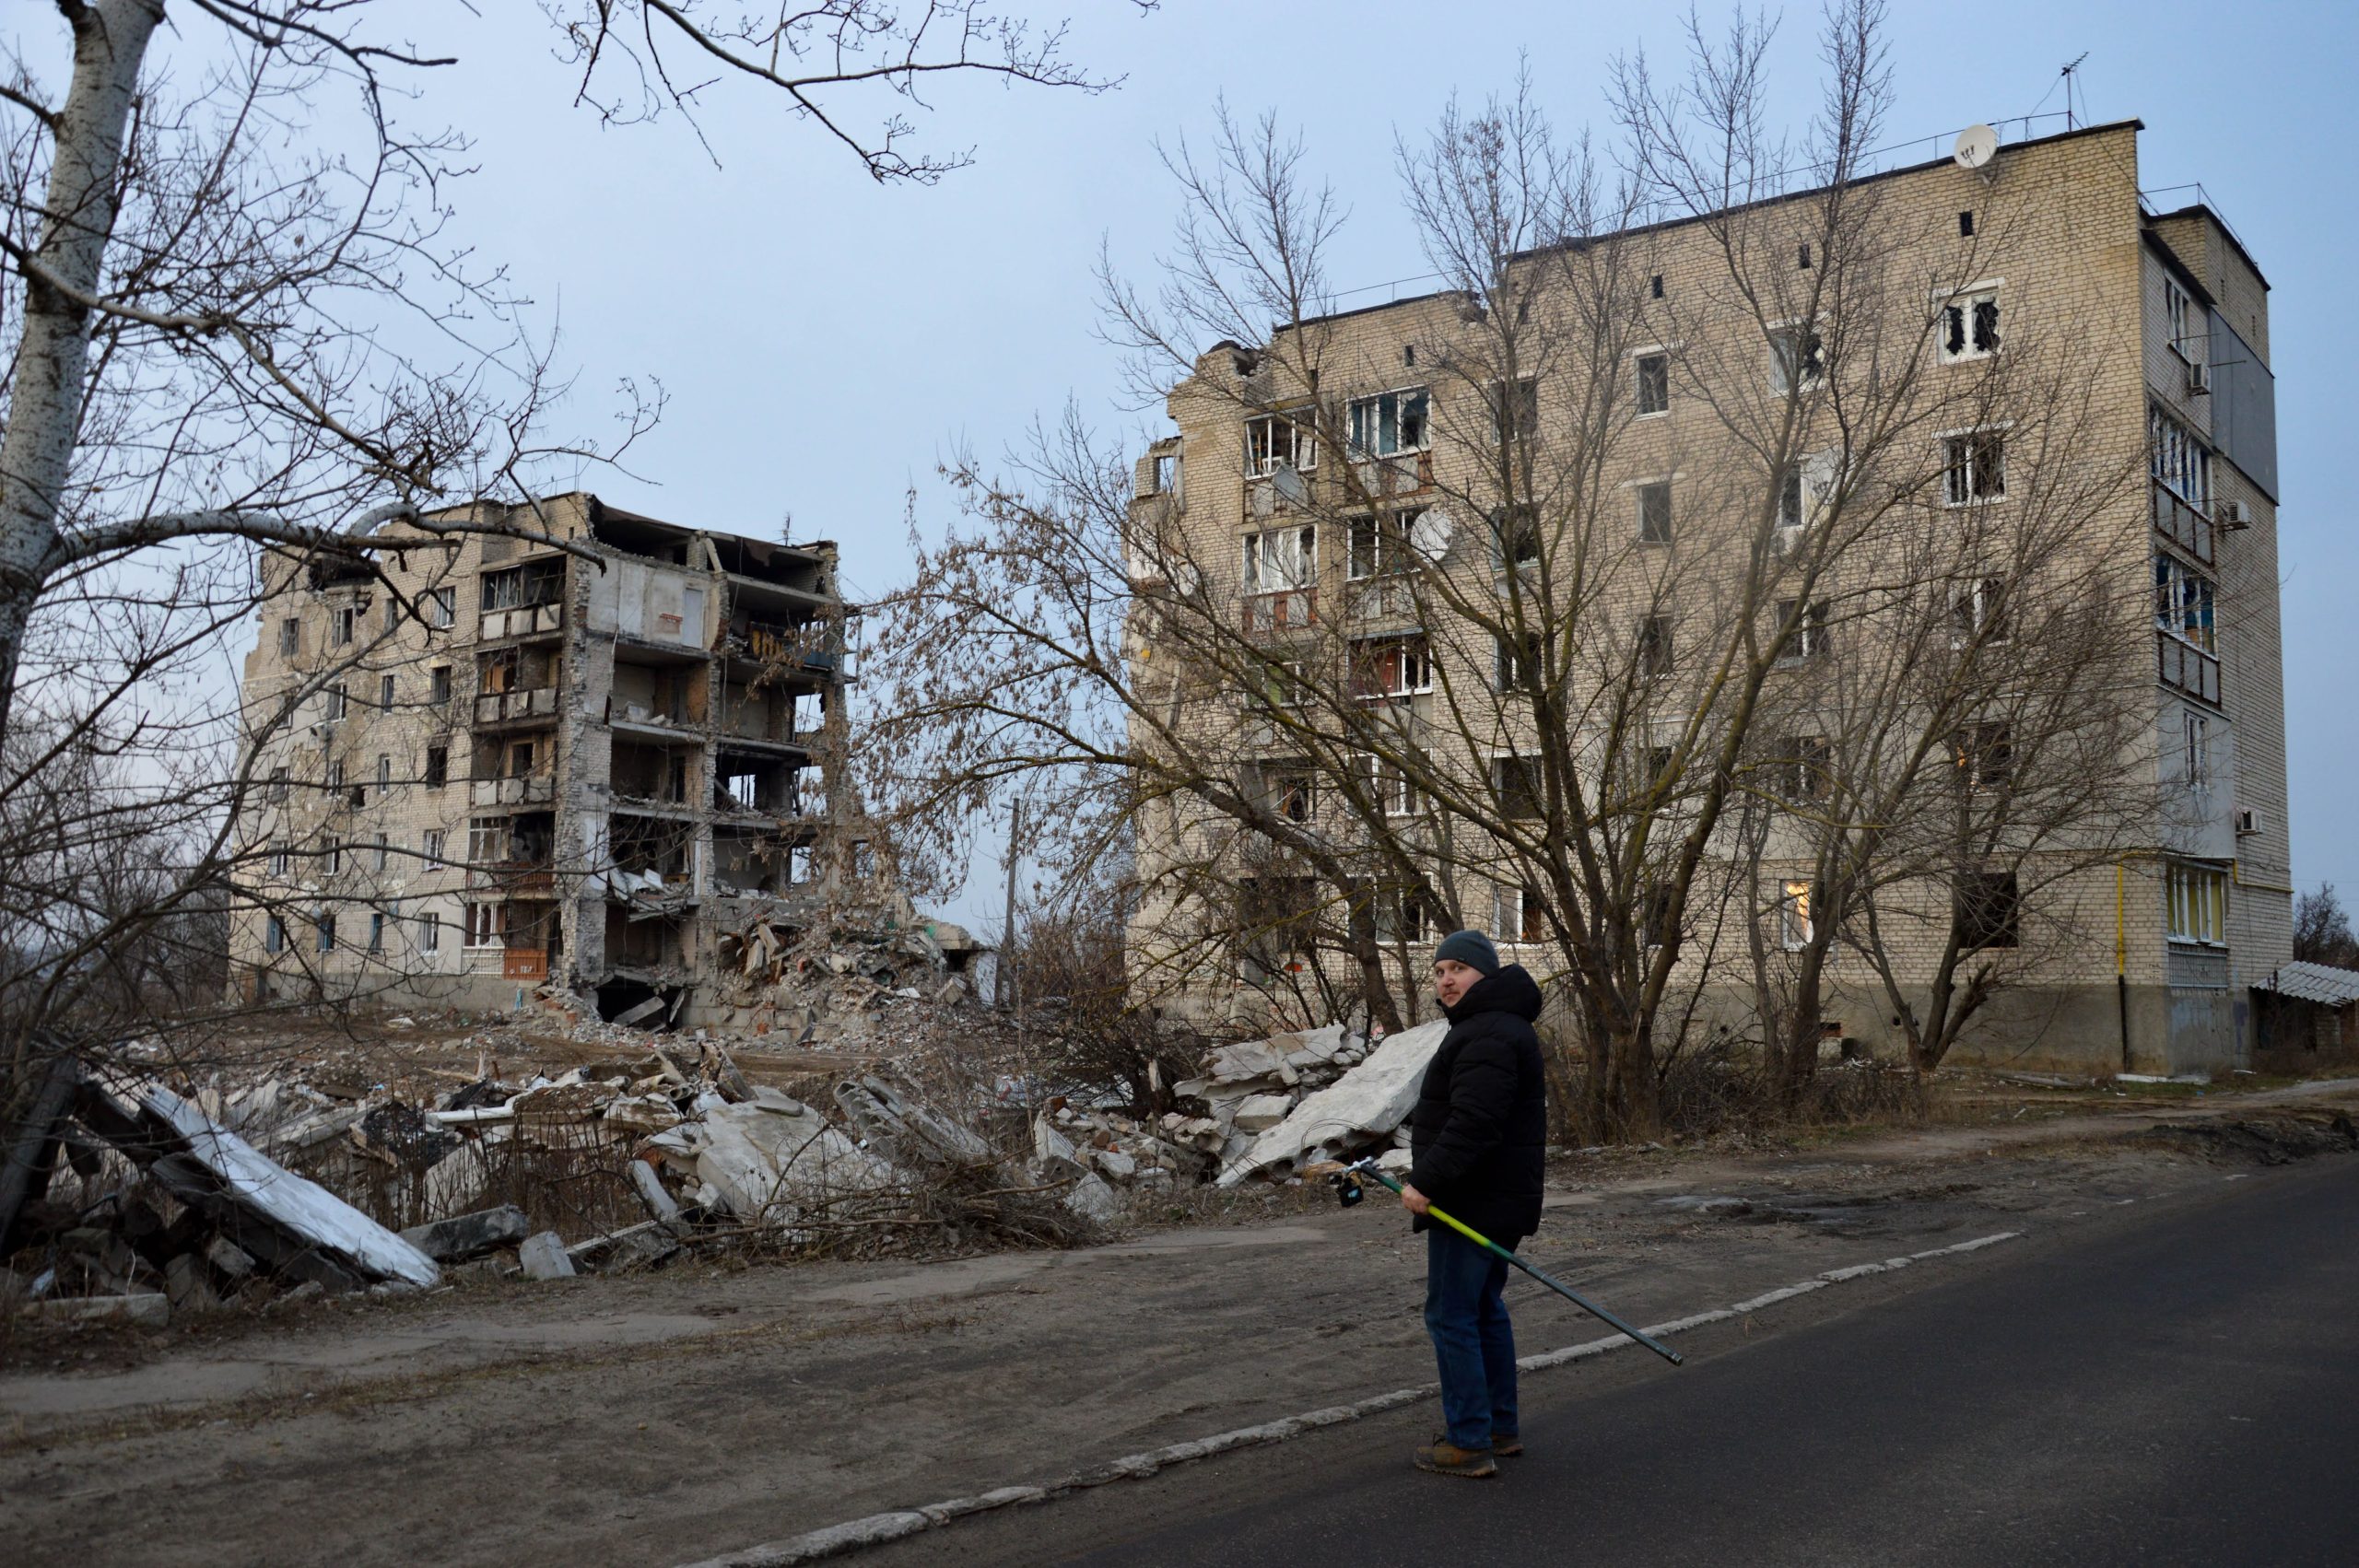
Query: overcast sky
{"type": "Point", "coordinates": [824, 339]}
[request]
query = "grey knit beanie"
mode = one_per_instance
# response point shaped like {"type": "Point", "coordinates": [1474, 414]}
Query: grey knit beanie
{"type": "Point", "coordinates": [1472, 949]}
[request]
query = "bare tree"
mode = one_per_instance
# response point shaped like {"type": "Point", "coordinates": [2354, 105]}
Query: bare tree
{"type": "Point", "coordinates": [2322, 929]}
{"type": "Point", "coordinates": [244, 344]}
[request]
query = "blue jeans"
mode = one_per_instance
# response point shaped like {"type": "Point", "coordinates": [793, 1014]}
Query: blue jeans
{"type": "Point", "coordinates": [1473, 1343]}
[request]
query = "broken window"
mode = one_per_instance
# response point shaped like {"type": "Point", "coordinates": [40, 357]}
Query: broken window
{"type": "Point", "coordinates": [1281, 575]}
{"type": "Point", "coordinates": [1275, 439]}
{"type": "Point", "coordinates": [486, 840]}
{"type": "Point", "coordinates": [1388, 423]}
{"type": "Point", "coordinates": [799, 864]}
{"type": "Point", "coordinates": [1807, 776]}
{"type": "Point", "coordinates": [481, 923]}
{"type": "Point", "coordinates": [2180, 318]}
{"type": "Point", "coordinates": [1654, 383]}
{"type": "Point", "coordinates": [1381, 546]}
{"type": "Point", "coordinates": [1797, 358]}
{"type": "Point", "coordinates": [1294, 794]}
{"type": "Point", "coordinates": [344, 623]}
{"type": "Point", "coordinates": [1984, 754]}
{"type": "Point", "coordinates": [1401, 915]}
{"type": "Point", "coordinates": [1515, 534]}
{"type": "Point", "coordinates": [1969, 326]}
{"type": "Point", "coordinates": [291, 638]}
{"type": "Point", "coordinates": [1654, 512]}
{"type": "Point", "coordinates": [1389, 786]}
{"type": "Point", "coordinates": [385, 693]}
{"type": "Point", "coordinates": [384, 771]}
{"type": "Point", "coordinates": [429, 932]}
{"type": "Point", "coordinates": [535, 582]}
{"type": "Point", "coordinates": [273, 934]}
{"type": "Point", "coordinates": [434, 846]}
{"type": "Point", "coordinates": [501, 671]}
{"type": "Point", "coordinates": [1966, 224]}
{"type": "Point", "coordinates": [1520, 662]}
{"type": "Point", "coordinates": [1516, 782]}
{"type": "Point", "coordinates": [1790, 499]}
{"type": "Point", "coordinates": [1795, 927]}
{"type": "Point", "coordinates": [1276, 921]}
{"type": "Point", "coordinates": [438, 685]}
{"type": "Point", "coordinates": [1392, 666]}
{"type": "Point", "coordinates": [324, 933]}
{"type": "Point", "coordinates": [1655, 926]}
{"type": "Point", "coordinates": [1974, 468]}
{"type": "Point", "coordinates": [2195, 903]}
{"type": "Point", "coordinates": [441, 606]}
{"type": "Point", "coordinates": [1980, 611]}
{"type": "Point", "coordinates": [1165, 473]}
{"type": "Point", "coordinates": [2178, 459]}
{"type": "Point", "coordinates": [1515, 410]}
{"type": "Point", "coordinates": [1283, 683]}
{"type": "Point", "coordinates": [2183, 603]}
{"type": "Point", "coordinates": [337, 700]}
{"type": "Point", "coordinates": [376, 933]}
{"type": "Point", "coordinates": [1654, 646]}
{"type": "Point", "coordinates": [438, 765]}
{"type": "Point", "coordinates": [1805, 628]}
{"type": "Point", "coordinates": [1987, 909]}
{"type": "Point", "coordinates": [1517, 915]}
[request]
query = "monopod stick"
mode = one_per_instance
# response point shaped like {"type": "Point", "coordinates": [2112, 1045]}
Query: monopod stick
{"type": "Point", "coordinates": [1570, 1294]}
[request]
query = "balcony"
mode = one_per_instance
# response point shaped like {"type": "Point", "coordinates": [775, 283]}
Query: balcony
{"type": "Point", "coordinates": [523, 620]}
{"type": "Point", "coordinates": [811, 645]}
{"type": "Point", "coordinates": [526, 790]}
{"type": "Point", "coordinates": [2182, 525]}
{"type": "Point", "coordinates": [537, 705]}
{"type": "Point", "coordinates": [2186, 668]}
{"type": "Point", "coordinates": [1291, 609]}
{"type": "Point", "coordinates": [515, 879]}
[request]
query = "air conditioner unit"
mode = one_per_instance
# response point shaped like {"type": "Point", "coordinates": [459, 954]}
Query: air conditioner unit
{"type": "Point", "coordinates": [2235, 514]}
{"type": "Point", "coordinates": [2199, 376]}
{"type": "Point", "coordinates": [2247, 820]}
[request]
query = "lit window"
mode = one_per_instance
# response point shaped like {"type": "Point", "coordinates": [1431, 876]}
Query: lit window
{"type": "Point", "coordinates": [1794, 926]}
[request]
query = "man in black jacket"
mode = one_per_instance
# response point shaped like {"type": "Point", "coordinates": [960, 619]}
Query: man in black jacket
{"type": "Point", "coordinates": [1478, 1141]}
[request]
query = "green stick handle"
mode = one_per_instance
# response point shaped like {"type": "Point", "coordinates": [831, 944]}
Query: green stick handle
{"type": "Point", "coordinates": [1570, 1294]}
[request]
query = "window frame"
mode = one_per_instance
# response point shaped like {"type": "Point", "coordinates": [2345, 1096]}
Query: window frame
{"type": "Point", "coordinates": [441, 606]}
{"type": "Point", "coordinates": [1657, 652]}
{"type": "Point", "coordinates": [2178, 459]}
{"type": "Point", "coordinates": [1302, 444]}
{"type": "Point", "coordinates": [2179, 311]}
{"type": "Point", "coordinates": [2195, 904]}
{"type": "Point", "coordinates": [1369, 410]}
{"type": "Point", "coordinates": [1990, 914]}
{"type": "Point", "coordinates": [1963, 466]}
{"type": "Point", "coordinates": [1653, 530]}
{"type": "Point", "coordinates": [1814, 639]}
{"type": "Point", "coordinates": [1645, 381]}
{"type": "Point", "coordinates": [1786, 338]}
{"type": "Point", "coordinates": [2187, 604]}
{"type": "Point", "coordinates": [1256, 558]}
{"type": "Point", "coordinates": [1959, 314]}
{"type": "Point", "coordinates": [1409, 657]}
{"type": "Point", "coordinates": [1528, 928]}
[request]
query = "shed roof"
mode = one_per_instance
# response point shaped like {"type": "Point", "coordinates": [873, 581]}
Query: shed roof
{"type": "Point", "coordinates": [2322, 983]}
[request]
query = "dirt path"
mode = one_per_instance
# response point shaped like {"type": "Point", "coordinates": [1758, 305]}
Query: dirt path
{"type": "Point", "coordinates": [667, 1417]}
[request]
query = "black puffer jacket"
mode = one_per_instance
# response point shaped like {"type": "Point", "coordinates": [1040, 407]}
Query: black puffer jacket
{"type": "Point", "coordinates": [1479, 1133]}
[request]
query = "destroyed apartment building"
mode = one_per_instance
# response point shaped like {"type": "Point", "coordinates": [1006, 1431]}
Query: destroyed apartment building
{"type": "Point", "coordinates": [601, 756]}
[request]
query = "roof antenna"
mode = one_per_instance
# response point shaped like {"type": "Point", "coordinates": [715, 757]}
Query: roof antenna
{"type": "Point", "coordinates": [2069, 122]}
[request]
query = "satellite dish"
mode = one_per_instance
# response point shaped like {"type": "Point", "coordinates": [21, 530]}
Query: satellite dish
{"type": "Point", "coordinates": [1433, 534]}
{"type": "Point", "coordinates": [1977, 145]}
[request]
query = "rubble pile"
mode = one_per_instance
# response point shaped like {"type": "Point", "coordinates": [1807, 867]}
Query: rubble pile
{"type": "Point", "coordinates": [840, 982]}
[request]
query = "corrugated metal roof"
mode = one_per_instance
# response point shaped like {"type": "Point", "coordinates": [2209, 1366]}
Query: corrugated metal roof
{"type": "Point", "coordinates": [2322, 983]}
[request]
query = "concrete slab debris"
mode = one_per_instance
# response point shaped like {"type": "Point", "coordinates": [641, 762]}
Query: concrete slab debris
{"type": "Point", "coordinates": [543, 1256]}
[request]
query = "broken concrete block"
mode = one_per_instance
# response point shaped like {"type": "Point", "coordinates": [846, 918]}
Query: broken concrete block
{"type": "Point", "coordinates": [228, 1257]}
{"type": "Point", "coordinates": [187, 1286]}
{"type": "Point", "coordinates": [1048, 1143]}
{"type": "Point", "coordinates": [544, 1257]}
{"type": "Point", "coordinates": [464, 1237]}
{"type": "Point", "coordinates": [642, 1114]}
{"type": "Point", "coordinates": [146, 1310]}
{"type": "Point", "coordinates": [1365, 1104]}
{"type": "Point", "coordinates": [1259, 1113]}
{"type": "Point", "coordinates": [655, 1195]}
{"type": "Point", "coordinates": [1394, 1159]}
{"type": "Point", "coordinates": [1092, 1199]}
{"type": "Point", "coordinates": [1115, 1165]}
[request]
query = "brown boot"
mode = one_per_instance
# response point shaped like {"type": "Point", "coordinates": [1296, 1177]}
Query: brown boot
{"type": "Point", "coordinates": [1506, 1444]}
{"type": "Point", "coordinates": [1446, 1459]}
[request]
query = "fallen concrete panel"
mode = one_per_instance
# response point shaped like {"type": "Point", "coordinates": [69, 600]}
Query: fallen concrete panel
{"type": "Point", "coordinates": [464, 1236]}
{"type": "Point", "coordinates": [1368, 1102]}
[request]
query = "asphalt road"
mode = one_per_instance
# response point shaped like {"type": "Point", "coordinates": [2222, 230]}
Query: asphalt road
{"type": "Point", "coordinates": [2183, 1389]}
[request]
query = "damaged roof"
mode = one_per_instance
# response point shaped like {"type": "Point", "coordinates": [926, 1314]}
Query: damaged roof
{"type": "Point", "coordinates": [2321, 983]}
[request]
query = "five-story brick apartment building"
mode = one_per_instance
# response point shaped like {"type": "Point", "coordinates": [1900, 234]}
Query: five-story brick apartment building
{"type": "Point", "coordinates": [1323, 499]}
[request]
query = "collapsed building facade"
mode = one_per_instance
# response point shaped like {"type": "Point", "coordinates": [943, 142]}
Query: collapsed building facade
{"type": "Point", "coordinates": [606, 761]}
{"type": "Point", "coordinates": [1336, 547]}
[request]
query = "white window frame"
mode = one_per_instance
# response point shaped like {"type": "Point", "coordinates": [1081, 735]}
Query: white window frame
{"type": "Point", "coordinates": [344, 623]}
{"type": "Point", "coordinates": [2186, 602]}
{"type": "Point", "coordinates": [1386, 534]}
{"type": "Point", "coordinates": [1261, 433]}
{"type": "Point", "coordinates": [1364, 422]}
{"type": "Point", "coordinates": [339, 700]}
{"type": "Point", "coordinates": [1391, 788]}
{"type": "Point", "coordinates": [1958, 309]}
{"type": "Point", "coordinates": [433, 848]}
{"type": "Point", "coordinates": [1980, 608]}
{"type": "Point", "coordinates": [1961, 469]}
{"type": "Point", "coordinates": [1264, 575]}
{"type": "Point", "coordinates": [429, 932]}
{"type": "Point", "coordinates": [1510, 910]}
{"type": "Point", "coordinates": [2195, 904]}
{"type": "Point", "coordinates": [2179, 460]}
{"type": "Point", "coordinates": [273, 934]}
{"type": "Point", "coordinates": [1412, 673]}
{"type": "Point", "coordinates": [1638, 358]}
{"type": "Point", "coordinates": [384, 847]}
{"type": "Point", "coordinates": [2178, 312]}
{"type": "Point", "coordinates": [282, 858]}
{"type": "Point", "coordinates": [482, 925]}
{"type": "Point", "coordinates": [1525, 392]}
{"type": "Point", "coordinates": [290, 636]}
{"type": "Point", "coordinates": [442, 607]}
{"type": "Point", "coordinates": [1639, 491]}
{"type": "Point", "coordinates": [1812, 639]}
